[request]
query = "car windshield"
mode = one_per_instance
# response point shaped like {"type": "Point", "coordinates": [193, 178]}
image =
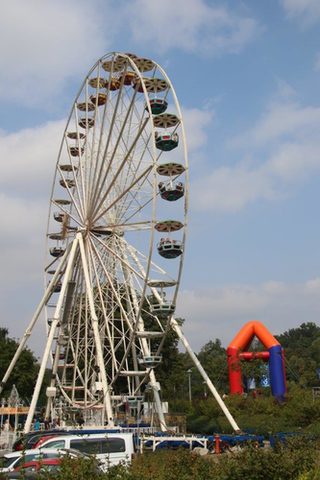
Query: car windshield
{"type": "Point", "coordinates": [33, 440]}
{"type": "Point", "coordinates": [28, 458]}
{"type": "Point", "coordinates": [6, 462]}
{"type": "Point", "coordinates": [54, 444]}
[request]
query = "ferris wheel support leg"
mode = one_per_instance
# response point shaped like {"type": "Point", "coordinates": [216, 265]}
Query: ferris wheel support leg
{"type": "Point", "coordinates": [95, 328]}
{"type": "Point", "coordinates": [204, 375]}
{"type": "Point", "coordinates": [53, 380]}
{"type": "Point", "coordinates": [157, 400]}
{"type": "Point", "coordinates": [146, 351]}
{"type": "Point", "coordinates": [155, 386]}
{"type": "Point", "coordinates": [35, 317]}
{"type": "Point", "coordinates": [55, 321]}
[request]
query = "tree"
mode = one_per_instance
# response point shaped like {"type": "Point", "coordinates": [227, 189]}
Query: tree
{"type": "Point", "coordinates": [25, 371]}
{"type": "Point", "coordinates": [302, 353]}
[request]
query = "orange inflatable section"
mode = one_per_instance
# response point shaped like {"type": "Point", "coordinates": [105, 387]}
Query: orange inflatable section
{"type": "Point", "coordinates": [254, 328]}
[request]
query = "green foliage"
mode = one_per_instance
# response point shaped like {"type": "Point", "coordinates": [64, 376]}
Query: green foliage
{"type": "Point", "coordinates": [262, 414]}
{"type": "Point", "coordinates": [213, 358]}
{"type": "Point", "coordinates": [302, 353]}
{"type": "Point", "coordinates": [298, 459]}
{"type": "Point", "coordinates": [26, 369]}
{"type": "Point", "coordinates": [284, 462]}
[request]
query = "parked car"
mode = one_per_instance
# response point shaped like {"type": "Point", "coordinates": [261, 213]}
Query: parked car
{"type": "Point", "coordinates": [49, 464]}
{"type": "Point", "coordinates": [21, 476]}
{"type": "Point", "coordinates": [108, 448]}
{"type": "Point", "coordinates": [31, 470]}
{"type": "Point", "coordinates": [12, 461]}
{"type": "Point", "coordinates": [30, 440]}
{"type": "Point", "coordinates": [44, 438]}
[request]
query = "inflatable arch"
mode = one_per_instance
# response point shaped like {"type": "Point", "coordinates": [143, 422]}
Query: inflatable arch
{"type": "Point", "coordinates": [237, 351]}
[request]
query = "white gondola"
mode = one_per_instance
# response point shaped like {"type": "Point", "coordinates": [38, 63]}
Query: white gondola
{"type": "Point", "coordinates": [150, 361]}
{"type": "Point", "coordinates": [134, 400]}
{"type": "Point", "coordinates": [171, 191]}
{"type": "Point", "coordinates": [162, 310]}
{"type": "Point", "coordinates": [169, 248]}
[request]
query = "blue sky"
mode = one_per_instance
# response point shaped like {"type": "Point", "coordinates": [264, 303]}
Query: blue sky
{"type": "Point", "coordinates": [247, 77]}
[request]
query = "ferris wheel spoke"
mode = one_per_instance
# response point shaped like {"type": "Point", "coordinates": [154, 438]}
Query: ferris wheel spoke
{"type": "Point", "coordinates": [92, 164]}
{"type": "Point", "coordinates": [114, 291]}
{"type": "Point", "coordinates": [101, 299]}
{"type": "Point", "coordinates": [143, 225]}
{"type": "Point", "coordinates": [136, 211]}
{"type": "Point", "coordinates": [134, 167]}
{"type": "Point", "coordinates": [135, 253]}
{"type": "Point", "coordinates": [139, 206]}
{"type": "Point", "coordinates": [99, 164]}
{"type": "Point", "coordinates": [124, 131]}
{"type": "Point", "coordinates": [137, 305]}
{"type": "Point", "coordinates": [117, 256]}
{"type": "Point", "coordinates": [110, 132]}
{"type": "Point", "coordinates": [80, 210]}
{"type": "Point", "coordinates": [95, 326]}
{"type": "Point", "coordinates": [120, 168]}
{"type": "Point", "coordinates": [134, 193]}
{"type": "Point", "coordinates": [80, 166]}
{"type": "Point", "coordinates": [122, 341]}
{"type": "Point", "coordinates": [67, 213]}
{"type": "Point", "coordinates": [144, 174]}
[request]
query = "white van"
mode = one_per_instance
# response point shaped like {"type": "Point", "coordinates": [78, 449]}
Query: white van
{"type": "Point", "coordinates": [108, 448]}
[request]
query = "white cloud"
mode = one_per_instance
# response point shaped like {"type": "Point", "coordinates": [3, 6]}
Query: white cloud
{"type": "Point", "coordinates": [29, 157]}
{"type": "Point", "coordinates": [21, 221]}
{"type": "Point", "coordinates": [307, 11]}
{"type": "Point", "coordinates": [46, 45]}
{"type": "Point", "coordinates": [294, 162]}
{"type": "Point", "coordinates": [197, 27]}
{"type": "Point", "coordinates": [229, 189]}
{"type": "Point", "coordinates": [43, 44]}
{"type": "Point", "coordinates": [22, 252]}
{"type": "Point", "coordinates": [196, 123]}
{"type": "Point", "coordinates": [284, 149]}
{"type": "Point", "coordinates": [221, 312]}
{"type": "Point", "coordinates": [281, 120]}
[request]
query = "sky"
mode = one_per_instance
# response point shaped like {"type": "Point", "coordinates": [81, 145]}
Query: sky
{"type": "Point", "coordinates": [247, 75]}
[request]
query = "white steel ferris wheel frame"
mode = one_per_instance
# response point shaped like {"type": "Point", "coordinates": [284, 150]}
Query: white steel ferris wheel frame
{"type": "Point", "coordinates": [106, 314]}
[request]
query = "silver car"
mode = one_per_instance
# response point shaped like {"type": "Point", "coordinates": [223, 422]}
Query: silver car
{"type": "Point", "coordinates": [11, 461]}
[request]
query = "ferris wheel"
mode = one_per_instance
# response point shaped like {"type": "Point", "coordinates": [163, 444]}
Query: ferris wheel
{"type": "Point", "coordinates": [115, 242]}
{"type": "Point", "coordinates": [116, 235]}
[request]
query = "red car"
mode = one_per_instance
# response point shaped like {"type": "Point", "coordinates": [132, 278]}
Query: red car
{"type": "Point", "coordinates": [42, 439]}
{"type": "Point", "coordinates": [48, 464]}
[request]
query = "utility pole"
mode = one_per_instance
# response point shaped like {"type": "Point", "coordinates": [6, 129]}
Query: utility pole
{"type": "Point", "coordinates": [189, 372]}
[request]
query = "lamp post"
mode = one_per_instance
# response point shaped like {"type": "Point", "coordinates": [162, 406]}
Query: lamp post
{"type": "Point", "coordinates": [189, 372]}
{"type": "Point", "coordinates": [205, 390]}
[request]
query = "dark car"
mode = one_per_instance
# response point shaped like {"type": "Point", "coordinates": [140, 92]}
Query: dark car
{"type": "Point", "coordinates": [29, 440]}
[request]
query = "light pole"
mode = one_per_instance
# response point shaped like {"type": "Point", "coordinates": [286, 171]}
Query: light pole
{"type": "Point", "coordinates": [189, 372]}
{"type": "Point", "coordinates": [205, 390]}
